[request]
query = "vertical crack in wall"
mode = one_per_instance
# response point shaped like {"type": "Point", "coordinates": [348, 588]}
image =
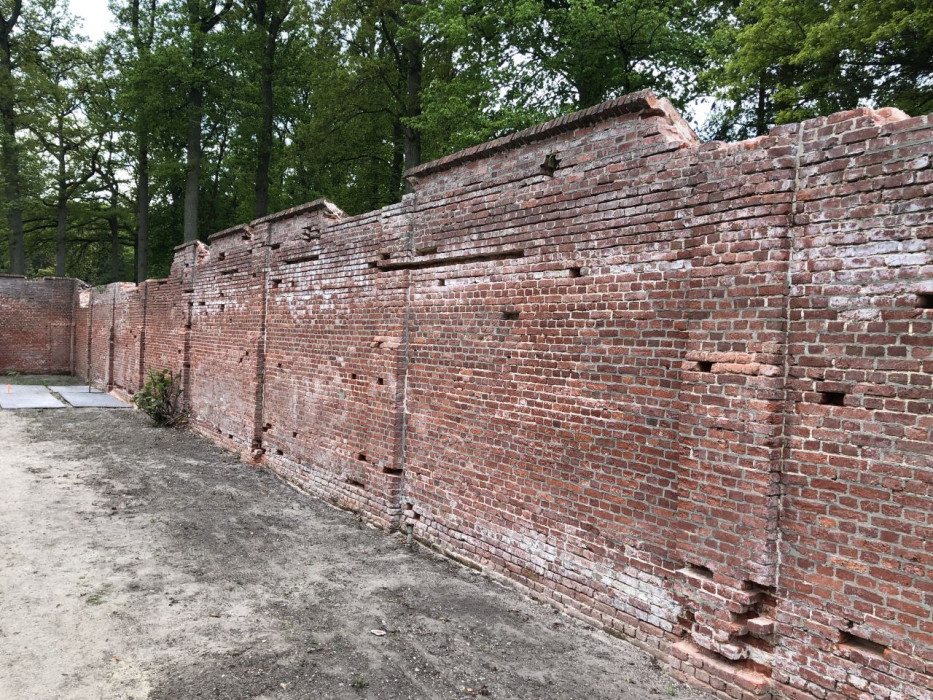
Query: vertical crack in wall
{"type": "Point", "coordinates": [260, 376]}
{"type": "Point", "coordinates": [788, 408]}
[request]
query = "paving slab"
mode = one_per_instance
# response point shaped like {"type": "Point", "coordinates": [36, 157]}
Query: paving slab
{"type": "Point", "coordinates": [76, 389]}
{"type": "Point", "coordinates": [20, 396]}
{"type": "Point", "coordinates": [92, 399]}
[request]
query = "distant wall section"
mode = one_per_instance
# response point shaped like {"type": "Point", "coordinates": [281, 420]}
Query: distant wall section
{"type": "Point", "coordinates": [36, 324]}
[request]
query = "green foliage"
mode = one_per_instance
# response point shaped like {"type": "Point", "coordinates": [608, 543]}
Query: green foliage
{"type": "Point", "coordinates": [779, 61]}
{"type": "Point", "coordinates": [160, 398]}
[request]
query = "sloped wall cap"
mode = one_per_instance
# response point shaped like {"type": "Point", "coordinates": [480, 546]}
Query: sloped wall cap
{"type": "Point", "coordinates": [644, 102]}
{"type": "Point", "coordinates": [328, 208]}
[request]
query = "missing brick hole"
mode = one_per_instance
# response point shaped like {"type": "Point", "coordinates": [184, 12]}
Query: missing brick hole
{"type": "Point", "coordinates": [223, 306]}
{"type": "Point", "coordinates": [276, 283]}
{"type": "Point", "coordinates": [704, 366]}
{"type": "Point", "coordinates": [510, 315]}
{"type": "Point", "coordinates": [275, 246]}
{"type": "Point", "coordinates": [429, 250]}
{"type": "Point", "coordinates": [294, 433]}
{"type": "Point", "coordinates": [575, 272]}
{"type": "Point", "coordinates": [441, 282]}
{"type": "Point", "coordinates": [221, 256]}
{"type": "Point", "coordinates": [361, 457]}
{"type": "Point", "coordinates": [380, 381]}
{"type": "Point", "coordinates": [385, 256]}
{"type": "Point", "coordinates": [373, 263]}
{"type": "Point", "coordinates": [862, 644]}
{"type": "Point", "coordinates": [279, 453]}
{"type": "Point", "coordinates": [701, 571]}
{"type": "Point", "coordinates": [686, 619]}
{"type": "Point", "coordinates": [391, 471]}
{"type": "Point", "coordinates": [353, 375]}
{"type": "Point", "coordinates": [925, 300]}
{"type": "Point", "coordinates": [267, 427]}
{"type": "Point", "coordinates": [832, 398]}
{"type": "Point", "coordinates": [550, 164]}
{"type": "Point", "coordinates": [356, 482]}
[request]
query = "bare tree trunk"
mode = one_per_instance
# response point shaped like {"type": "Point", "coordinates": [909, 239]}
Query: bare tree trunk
{"type": "Point", "coordinates": [61, 232]}
{"type": "Point", "coordinates": [8, 146]}
{"type": "Point", "coordinates": [414, 60]}
{"type": "Point", "coordinates": [116, 249]}
{"type": "Point", "coordinates": [142, 216]}
{"type": "Point", "coordinates": [265, 132]}
{"type": "Point", "coordinates": [192, 182]}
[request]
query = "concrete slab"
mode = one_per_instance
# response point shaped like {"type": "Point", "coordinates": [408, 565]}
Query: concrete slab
{"type": "Point", "coordinates": [75, 389]}
{"type": "Point", "coordinates": [17, 396]}
{"type": "Point", "coordinates": [92, 399]}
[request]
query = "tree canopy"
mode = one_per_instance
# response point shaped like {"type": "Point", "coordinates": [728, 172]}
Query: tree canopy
{"type": "Point", "coordinates": [195, 115]}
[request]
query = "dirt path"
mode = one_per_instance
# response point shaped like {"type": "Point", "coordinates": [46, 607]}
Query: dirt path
{"type": "Point", "coordinates": [144, 563]}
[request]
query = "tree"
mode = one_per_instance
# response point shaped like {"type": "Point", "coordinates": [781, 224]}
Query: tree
{"type": "Point", "coordinates": [138, 96]}
{"type": "Point", "coordinates": [781, 61]}
{"type": "Point", "coordinates": [61, 79]}
{"type": "Point", "coordinates": [577, 53]}
{"type": "Point", "coordinates": [268, 18]}
{"type": "Point", "coordinates": [200, 17]}
{"type": "Point", "coordinates": [10, 13]}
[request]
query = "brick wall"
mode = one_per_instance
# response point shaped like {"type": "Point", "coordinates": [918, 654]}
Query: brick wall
{"type": "Point", "coordinates": [681, 390]}
{"type": "Point", "coordinates": [36, 321]}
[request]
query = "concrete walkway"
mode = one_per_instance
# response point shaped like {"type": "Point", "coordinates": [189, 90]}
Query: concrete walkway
{"type": "Point", "coordinates": [18, 396]}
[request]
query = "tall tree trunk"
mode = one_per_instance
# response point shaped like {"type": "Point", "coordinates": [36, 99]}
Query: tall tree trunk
{"type": "Point", "coordinates": [14, 216]}
{"type": "Point", "coordinates": [761, 109]}
{"type": "Point", "coordinates": [265, 132]}
{"type": "Point", "coordinates": [116, 248]}
{"type": "Point", "coordinates": [142, 209]}
{"type": "Point", "coordinates": [414, 60]}
{"type": "Point", "coordinates": [398, 160]}
{"type": "Point", "coordinates": [61, 231]}
{"type": "Point", "coordinates": [192, 182]}
{"type": "Point", "coordinates": [8, 146]}
{"type": "Point", "coordinates": [61, 204]}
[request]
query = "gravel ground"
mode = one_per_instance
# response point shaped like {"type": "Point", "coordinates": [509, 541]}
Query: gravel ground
{"type": "Point", "coordinates": [138, 562]}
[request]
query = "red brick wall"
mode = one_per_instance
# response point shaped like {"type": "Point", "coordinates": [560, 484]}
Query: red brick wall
{"type": "Point", "coordinates": [681, 390]}
{"type": "Point", "coordinates": [82, 330]}
{"type": "Point", "coordinates": [36, 321]}
{"type": "Point", "coordinates": [129, 330]}
{"type": "Point", "coordinates": [857, 518]}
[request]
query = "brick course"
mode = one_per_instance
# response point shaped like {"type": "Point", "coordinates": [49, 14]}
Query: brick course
{"type": "Point", "coordinates": [681, 390]}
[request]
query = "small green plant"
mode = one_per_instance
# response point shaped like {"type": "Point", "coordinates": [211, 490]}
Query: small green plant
{"type": "Point", "coordinates": [160, 398]}
{"type": "Point", "coordinates": [359, 683]}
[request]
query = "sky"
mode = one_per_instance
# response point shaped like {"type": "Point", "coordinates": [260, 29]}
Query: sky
{"type": "Point", "coordinates": [95, 17]}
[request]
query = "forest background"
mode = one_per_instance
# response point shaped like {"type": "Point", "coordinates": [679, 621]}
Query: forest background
{"type": "Point", "coordinates": [190, 116]}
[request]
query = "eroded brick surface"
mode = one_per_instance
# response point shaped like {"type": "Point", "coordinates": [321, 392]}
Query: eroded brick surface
{"type": "Point", "coordinates": [681, 390]}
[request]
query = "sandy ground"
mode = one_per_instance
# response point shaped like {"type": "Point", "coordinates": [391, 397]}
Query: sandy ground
{"type": "Point", "coordinates": [138, 562]}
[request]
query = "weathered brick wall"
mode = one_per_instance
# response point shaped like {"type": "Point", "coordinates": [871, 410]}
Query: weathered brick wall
{"type": "Point", "coordinates": [680, 390]}
{"type": "Point", "coordinates": [334, 371]}
{"type": "Point", "coordinates": [36, 322]}
{"type": "Point", "coordinates": [128, 332]}
{"type": "Point", "coordinates": [101, 336]}
{"type": "Point", "coordinates": [855, 586]}
{"type": "Point", "coordinates": [82, 332]}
